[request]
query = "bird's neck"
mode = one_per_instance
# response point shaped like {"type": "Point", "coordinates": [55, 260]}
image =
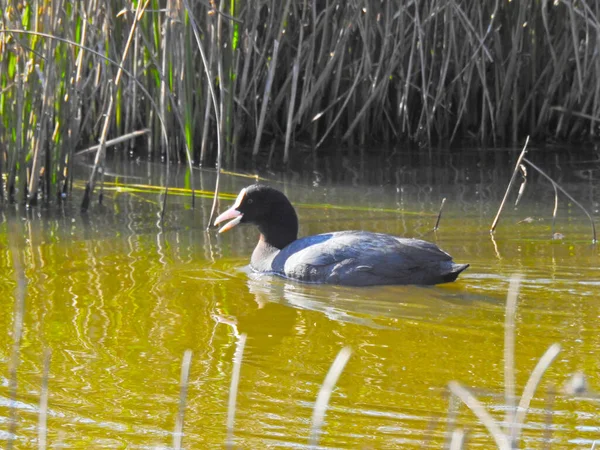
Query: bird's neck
{"type": "Point", "coordinates": [281, 229]}
{"type": "Point", "coordinates": [276, 233]}
{"type": "Point", "coordinates": [263, 256]}
{"type": "Point", "coordinates": [270, 244]}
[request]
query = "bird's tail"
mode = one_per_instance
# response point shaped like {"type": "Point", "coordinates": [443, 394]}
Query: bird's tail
{"type": "Point", "coordinates": [454, 272]}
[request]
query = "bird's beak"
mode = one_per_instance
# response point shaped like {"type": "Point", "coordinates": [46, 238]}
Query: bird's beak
{"type": "Point", "coordinates": [231, 213]}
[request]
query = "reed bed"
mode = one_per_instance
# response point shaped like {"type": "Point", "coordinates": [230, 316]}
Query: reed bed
{"type": "Point", "coordinates": [285, 75]}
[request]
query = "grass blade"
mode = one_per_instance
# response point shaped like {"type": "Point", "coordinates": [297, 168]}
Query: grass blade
{"type": "Point", "coordinates": [233, 389]}
{"type": "Point", "coordinates": [43, 416]}
{"type": "Point", "coordinates": [324, 395]}
{"type": "Point", "coordinates": [183, 390]}
{"type": "Point", "coordinates": [478, 409]}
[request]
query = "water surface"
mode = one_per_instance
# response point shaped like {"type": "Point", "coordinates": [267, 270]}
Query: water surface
{"type": "Point", "coordinates": [117, 299]}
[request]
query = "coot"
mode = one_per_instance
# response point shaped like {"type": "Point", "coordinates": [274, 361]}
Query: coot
{"type": "Point", "coordinates": [352, 258]}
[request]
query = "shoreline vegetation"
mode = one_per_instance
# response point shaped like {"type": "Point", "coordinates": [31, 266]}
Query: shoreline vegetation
{"type": "Point", "coordinates": [209, 83]}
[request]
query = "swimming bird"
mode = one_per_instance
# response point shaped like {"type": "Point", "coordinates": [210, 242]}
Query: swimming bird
{"type": "Point", "coordinates": [351, 258]}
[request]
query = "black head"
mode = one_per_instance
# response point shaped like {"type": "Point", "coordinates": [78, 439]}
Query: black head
{"type": "Point", "coordinates": [267, 208]}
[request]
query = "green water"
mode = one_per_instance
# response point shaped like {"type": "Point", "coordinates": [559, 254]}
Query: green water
{"type": "Point", "coordinates": [117, 299]}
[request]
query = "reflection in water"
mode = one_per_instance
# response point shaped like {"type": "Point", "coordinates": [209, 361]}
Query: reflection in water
{"type": "Point", "coordinates": [118, 299]}
{"type": "Point", "coordinates": [386, 304]}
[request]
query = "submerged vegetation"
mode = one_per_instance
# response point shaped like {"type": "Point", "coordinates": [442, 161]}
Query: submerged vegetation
{"type": "Point", "coordinates": [250, 75]}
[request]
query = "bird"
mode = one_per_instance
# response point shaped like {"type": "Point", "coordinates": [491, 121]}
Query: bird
{"type": "Point", "coordinates": [349, 258]}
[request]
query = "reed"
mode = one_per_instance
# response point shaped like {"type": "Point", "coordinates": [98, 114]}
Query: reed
{"type": "Point", "coordinates": [183, 390]}
{"type": "Point", "coordinates": [233, 389]}
{"type": "Point", "coordinates": [520, 167]}
{"type": "Point", "coordinates": [43, 416]}
{"type": "Point", "coordinates": [324, 395]}
{"type": "Point", "coordinates": [323, 74]}
{"type": "Point", "coordinates": [514, 420]}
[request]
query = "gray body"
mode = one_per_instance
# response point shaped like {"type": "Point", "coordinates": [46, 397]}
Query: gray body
{"type": "Point", "coordinates": [358, 258]}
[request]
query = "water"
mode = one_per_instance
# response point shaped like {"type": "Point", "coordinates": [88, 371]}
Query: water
{"type": "Point", "coordinates": [118, 299]}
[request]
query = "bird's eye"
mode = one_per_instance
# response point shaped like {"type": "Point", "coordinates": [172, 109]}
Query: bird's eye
{"type": "Point", "coordinates": [250, 201]}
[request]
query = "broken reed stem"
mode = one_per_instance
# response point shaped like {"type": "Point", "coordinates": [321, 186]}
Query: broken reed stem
{"type": "Point", "coordinates": [437, 222]}
{"type": "Point", "coordinates": [510, 183]}
{"type": "Point", "coordinates": [557, 186]}
{"type": "Point", "coordinates": [186, 363]}
{"type": "Point", "coordinates": [475, 405]}
{"type": "Point", "coordinates": [233, 389]}
{"type": "Point", "coordinates": [43, 416]}
{"type": "Point", "coordinates": [325, 394]}
{"type": "Point", "coordinates": [115, 141]}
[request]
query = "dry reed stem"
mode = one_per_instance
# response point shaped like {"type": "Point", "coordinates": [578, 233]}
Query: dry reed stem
{"type": "Point", "coordinates": [295, 73]}
{"type": "Point", "coordinates": [164, 62]}
{"type": "Point", "coordinates": [439, 216]}
{"type": "Point", "coordinates": [510, 183]}
{"type": "Point", "coordinates": [478, 409]}
{"type": "Point", "coordinates": [43, 415]}
{"type": "Point", "coordinates": [213, 96]}
{"type": "Point", "coordinates": [509, 347]}
{"type": "Point", "coordinates": [558, 186]}
{"type": "Point", "coordinates": [458, 439]}
{"type": "Point", "coordinates": [186, 363]}
{"type": "Point", "coordinates": [555, 209]}
{"type": "Point", "coordinates": [324, 395]}
{"type": "Point", "coordinates": [451, 419]}
{"type": "Point", "coordinates": [515, 415]}
{"type": "Point", "coordinates": [47, 100]}
{"type": "Point", "coordinates": [270, 77]}
{"type": "Point", "coordinates": [115, 141]}
{"type": "Point", "coordinates": [530, 388]}
{"type": "Point", "coordinates": [523, 184]}
{"type": "Point", "coordinates": [233, 389]}
{"type": "Point", "coordinates": [209, 101]}
{"type": "Point", "coordinates": [110, 111]}
{"type": "Point", "coordinates": [17, 334]}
